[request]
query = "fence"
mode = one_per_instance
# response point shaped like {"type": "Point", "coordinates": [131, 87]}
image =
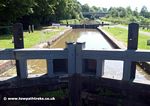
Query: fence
{"type": "Point", "coordinates": [75, 54]}
{"type": "Point", "coordinates": [74, 58]}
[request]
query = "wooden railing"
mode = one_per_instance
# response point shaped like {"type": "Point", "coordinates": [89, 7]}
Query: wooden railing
{"type": "Point", "coordinates": [79, 82]}
{"type": "Point", "coordinates": [75, 54]}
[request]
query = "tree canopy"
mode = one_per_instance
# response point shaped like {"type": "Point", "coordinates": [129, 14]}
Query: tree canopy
{"type": "Point", "coordinates": [127, 15]}
{"type": "Point", "coordinates": [11, 10]}
{"type": "Point", "coordinates": [38, 11]}
{"type": "Point", "coordinates": [42, 12]}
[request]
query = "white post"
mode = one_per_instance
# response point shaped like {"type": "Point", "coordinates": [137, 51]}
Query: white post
{"type": "Point", "coordinates": [79, 47]}
{"type": "Point", "coordinates": [99, 68]}
{"type": "Point", "coordinates": [71, 58]}
{"type": "Point", "coordinates": [50, 67]}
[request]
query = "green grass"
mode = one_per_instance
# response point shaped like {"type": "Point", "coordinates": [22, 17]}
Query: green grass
{"type": "Point", "coordinates": [122, 35]}
{"type": "Point", "coordinates": [144, 30]}
{"type": "Point", "coordinates": [6, 41]}
{"type": "Point", "coordinates": [30, 39]}
{"type": "Point", "coordinates": [141, 29]}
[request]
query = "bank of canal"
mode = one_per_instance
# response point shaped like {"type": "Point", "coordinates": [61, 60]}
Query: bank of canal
{"type": "Point", "coordinates": [44, 37]}
{"type": "Point", "coordinates": [93, 40]}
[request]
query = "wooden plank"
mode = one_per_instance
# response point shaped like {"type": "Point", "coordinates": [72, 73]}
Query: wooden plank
{"type": "Point", "coordinates": [7, 54]}
{"type": "Point", "coordinates": [41, 54]}
{"type": "Point", "coordinates": [142, 55]}
{"type": "Point", "coordinates": [116, 55]}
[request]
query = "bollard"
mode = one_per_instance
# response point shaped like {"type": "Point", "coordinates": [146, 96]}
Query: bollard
{"type": "Point", "coordinates": [32, 28]}
{"type": "Point", "coordinates": [102, 23]}
{"type": "Point", "coordinates": [29, 28]}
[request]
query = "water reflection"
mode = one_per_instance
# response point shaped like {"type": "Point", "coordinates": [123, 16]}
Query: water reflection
{"type": "Point", "coordinates": [71, 36]}
{"type": "Point", "coordinates": [93, 40]}
{"type": "Point", "coordinates": [90, 36]}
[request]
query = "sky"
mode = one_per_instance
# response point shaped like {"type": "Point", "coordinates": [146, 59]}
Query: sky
{"type": "Point", "coordinates": [118, 3]}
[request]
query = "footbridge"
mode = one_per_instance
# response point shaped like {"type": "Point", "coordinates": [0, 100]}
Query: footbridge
{"type": "Point", "coordinates": [94, 14]}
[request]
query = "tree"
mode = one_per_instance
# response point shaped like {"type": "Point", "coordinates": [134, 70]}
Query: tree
{"type": "Point", "coordinates": [68, 9]}
{"type": "Point", "coordinates": [113, 12]}
{"type": "Point", "coordinates": [133, 19]}
{"type": "Point", "coordinates": [135, 13]}
{"type": "Point", "coordinates": [128, 11]}
{"type": "Point", "coordinates": [11, 10]}
{"type": "Point", "coordinates": [144, 12]}
{"type": "Point", "coordinates": [121, 12]}
{"type": "Point", "coordinates": [85, 8]}
{"type": "Point", "coordinates": [104, 10]}
{"type": "Point", "coordinates": [42, 10]}
{"type": "Point", "coordinates": [38, 12]}
{"type": "Point", "coordinates": [99, 9]}
{"type": "Point", "coordinates": [93, 9]}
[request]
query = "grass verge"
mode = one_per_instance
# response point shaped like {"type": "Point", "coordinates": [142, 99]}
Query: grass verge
{"type": "Point", "coordinates": [122, 35]}
{"type": "Point", "coordinates": [30, 39]}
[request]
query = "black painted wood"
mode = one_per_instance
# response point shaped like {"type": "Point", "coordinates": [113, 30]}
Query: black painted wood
{"type": "Point", "coordinates": [18, 42]}
{"type": "Point", "coordinates": [133, 30]}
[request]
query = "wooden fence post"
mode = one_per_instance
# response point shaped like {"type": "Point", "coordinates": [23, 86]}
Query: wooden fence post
{"type": "Point", "coordinates": [19, 44]}
{"type": "Point", "coordinates": [18, 36]}
{"type": "Point", "coordinates": [129, 73]}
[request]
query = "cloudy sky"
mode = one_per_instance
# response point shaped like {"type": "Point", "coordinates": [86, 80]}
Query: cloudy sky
{"type": "Point", "coordinates": [117, 3]}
